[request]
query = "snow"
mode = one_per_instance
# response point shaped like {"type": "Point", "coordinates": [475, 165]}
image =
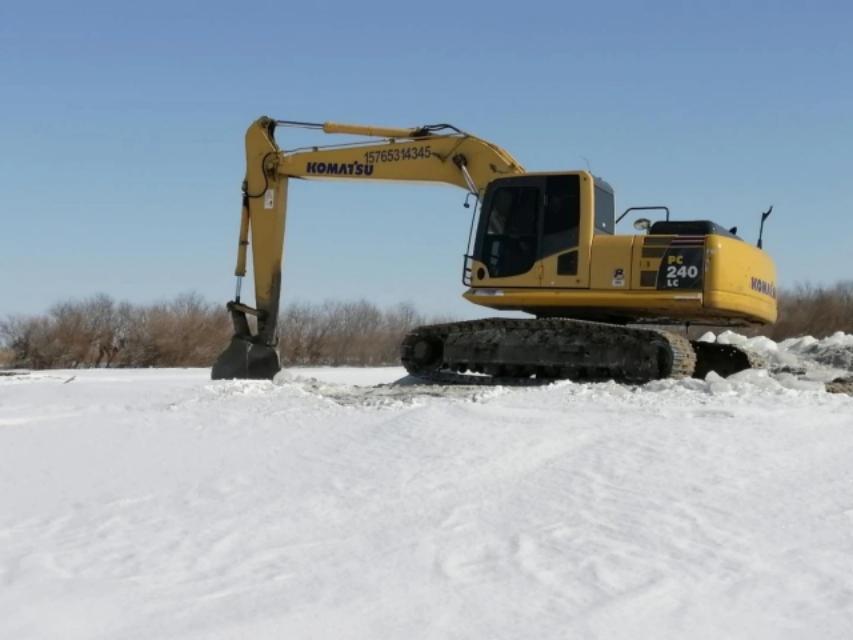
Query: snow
{"type": "Point", "coordinates": [160, 504]}
{"type": "Point", "coordinates": [823, 359]}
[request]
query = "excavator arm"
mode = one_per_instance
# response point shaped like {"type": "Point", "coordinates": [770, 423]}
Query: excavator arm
{"type": "Point", "coordinates": [432, 154]}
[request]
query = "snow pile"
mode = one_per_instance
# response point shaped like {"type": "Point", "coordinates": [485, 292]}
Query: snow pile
{"type": "Point", "coordinates": [834, 351]}
{"type": "Point", "coordinates": [744, 383]}
{"type": "Point", "coordinates": [824, 358]}
{"type": "Point", "coordinates": [336, 504]}
{"type": "Point", "coordinates": [401, 390]}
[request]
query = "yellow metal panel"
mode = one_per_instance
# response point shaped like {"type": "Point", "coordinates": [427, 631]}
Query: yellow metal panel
{"type": "Point", "coordinates": [266, 196]}
{"type": "Point", "coordinates": [641, 263]}
{"type": "Point", "coordinates": [431, 159]}
{"type": "Point", "coordinates": [725, 304]}
{"type": "Point", "coordinates": [532, 278]}
{"type": "Point", "coordinates": [585, 231]}
{"type": "Point", "coordinates": [611, 262]}
{"type": "Point", "coordinates": [739, 279]}
{"type": "Point", "coordinates": [551, 277]}
{"type": "Point", "coordinates": [685, 305]}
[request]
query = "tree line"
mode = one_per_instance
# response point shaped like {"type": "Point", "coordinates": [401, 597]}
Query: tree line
{"type": "Point", "coordinates": [189, 331]}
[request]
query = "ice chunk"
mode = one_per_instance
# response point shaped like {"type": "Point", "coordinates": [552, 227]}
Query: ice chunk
{"type": "Point", "coordinates": [838, 339]}
{"type": "Point", "coordinates": [730, 337]}
{"type": "Point", "coordinates": [761, 344]}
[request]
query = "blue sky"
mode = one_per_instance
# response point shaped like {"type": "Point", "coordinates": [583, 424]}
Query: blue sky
{"type": "Point", "coordinates": [121, 128]}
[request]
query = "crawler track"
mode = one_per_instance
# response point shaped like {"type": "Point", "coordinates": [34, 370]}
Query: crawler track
{"type": "Point", "coordinates": [528, 352]}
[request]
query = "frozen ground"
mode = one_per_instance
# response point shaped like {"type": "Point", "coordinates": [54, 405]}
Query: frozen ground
{"type": "Point", "coordinates": [159, 504]}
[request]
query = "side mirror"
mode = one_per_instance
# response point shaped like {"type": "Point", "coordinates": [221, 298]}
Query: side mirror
{"type": "Point", "coordinates": [642, 224]}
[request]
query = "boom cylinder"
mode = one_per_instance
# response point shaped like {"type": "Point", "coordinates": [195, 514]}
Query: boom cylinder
{"type": "Point", "coordinates": [368, 130]}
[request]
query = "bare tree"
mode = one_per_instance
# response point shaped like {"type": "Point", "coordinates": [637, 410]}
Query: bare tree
{"type": "Point", "coordinates": [97, 332]}
{"type": "Point", "coordinates": [814, 310]}
{"type": "Point", "coordinates": [344, 333]}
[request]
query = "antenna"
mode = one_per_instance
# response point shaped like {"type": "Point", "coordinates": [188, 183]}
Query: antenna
{"type": "Point", "coordinates": [588, 167]}
{"type": "Point", "coordinates": [764, 217]}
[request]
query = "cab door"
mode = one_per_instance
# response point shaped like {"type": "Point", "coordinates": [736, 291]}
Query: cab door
{"type": "Point", "coordinates": [530, 232]}
{"type": "Point", "coordinates": [509, 235]}
{"type": "Point", "coordinates": [564, 258]}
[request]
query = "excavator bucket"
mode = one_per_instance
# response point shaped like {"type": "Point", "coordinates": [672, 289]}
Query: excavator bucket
{"type": "Point", "coordinates": [246, 360]}
{"type": "Point", "coordinates": [247, 357]}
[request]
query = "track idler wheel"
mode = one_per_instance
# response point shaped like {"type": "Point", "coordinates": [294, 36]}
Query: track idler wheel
{"type": "Point", "coordinates": [246, 360]}
{"type": "Point", "coordinates": [425, 351]}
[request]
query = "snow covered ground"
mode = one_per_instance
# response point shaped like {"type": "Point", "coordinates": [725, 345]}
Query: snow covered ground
{"type": "Point", "coordinates": [158, 504]}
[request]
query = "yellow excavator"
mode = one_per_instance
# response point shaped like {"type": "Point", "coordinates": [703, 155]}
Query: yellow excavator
{"type": "Point", "coordinates": [543, 243]}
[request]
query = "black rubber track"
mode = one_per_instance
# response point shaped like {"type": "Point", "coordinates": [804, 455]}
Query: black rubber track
{"type": "Point", "coordinates": [505, 351]}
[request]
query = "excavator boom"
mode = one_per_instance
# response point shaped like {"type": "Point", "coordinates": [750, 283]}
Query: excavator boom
{"type": "Point", "coordinates": [431, 154]}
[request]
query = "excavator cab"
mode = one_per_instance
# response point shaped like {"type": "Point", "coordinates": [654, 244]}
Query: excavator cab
{"type": "Point", "coordinates": [527, 219]}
